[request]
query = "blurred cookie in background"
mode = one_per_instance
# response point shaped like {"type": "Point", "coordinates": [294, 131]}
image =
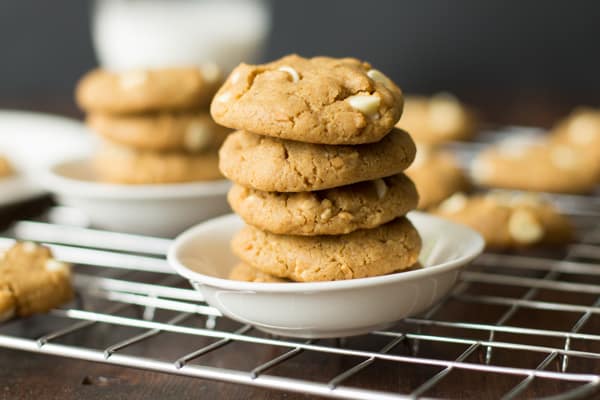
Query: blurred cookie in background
{"type": "Point", "coordinates": [191, 132]}
{"type": "Point", "coordinates": [154, 122]}
{"type": "Point", "coordinates": [537, 164]}
{"type": "Point", "coordinates": [437, 119]}
{"type": "Point", "coordinates": [581, 130]}
{"type": "Point", "coordinates": [5, 168]}
{"type": "Point", "coordinates": [437, 175]}
{"type": "Point", "coordinates": [119, 164]}
{"type": "Point", "coordinates": [509, 219]}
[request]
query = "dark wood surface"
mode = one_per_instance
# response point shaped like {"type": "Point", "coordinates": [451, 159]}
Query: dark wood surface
{"type": "Point", "coordinates": [31, 376]}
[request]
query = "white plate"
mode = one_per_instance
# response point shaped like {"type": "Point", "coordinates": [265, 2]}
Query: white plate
{"type": "Point", "coordinates": [33, 141]}
{"type": "Point", "coordinates": [157, 210]}
{"type": "Point", "coordinates": [324, 309]}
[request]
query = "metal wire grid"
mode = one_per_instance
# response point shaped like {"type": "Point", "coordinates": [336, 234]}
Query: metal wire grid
{"type": "Point", "coordinates": [568, 355]}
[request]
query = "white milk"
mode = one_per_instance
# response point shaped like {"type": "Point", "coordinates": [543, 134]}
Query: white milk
{"type": "Point", "coordinates": [155, 33]}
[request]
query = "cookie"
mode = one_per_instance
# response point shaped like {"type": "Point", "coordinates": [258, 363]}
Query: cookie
{"type": "Point", "coordinates": [246, 273]}
{"type": "Point", "coordinates": [335, 211]}
{"type": "Point", "coordinates": [317, 100]}
{"type": "Point", "coordinates": [5, 168]}
{"type": "Point", "coordinates": [437, 175]}
{"type": "Point", "coordinates": [34, 279]}
{"type": "Point", "coordinates": [507, 219]}
{"type": "Point", "coordinates": [536, 164]}
{"type": "Point", "coordinates": [390, 247]}
{"type": "Point", "coordinates": [277, 165]}
{"type": "Point", "coordinates": [581, 130]}
{"type": "Point", "coordinates": [146, 90]}
{"type": "Point", "coordinates": [437, 119]}
{"type": "Point", "coordinates": [117, 164]}
{"type": "Point", "coordinates": [164, 131]}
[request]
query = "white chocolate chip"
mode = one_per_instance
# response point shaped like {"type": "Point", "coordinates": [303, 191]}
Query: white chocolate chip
{"type": "Point", "coordinates": [197, 136]}
{"type": "Point", "coordinates": [291, 71]}
{"type": "Point", "coordinates": [2, 255]}
{"type": "Point", "coordinates": [235, 76]}
{"type": "Point", "coordinates": [524, 227]}
{"type": "Point", "coordinates": [133, 79]}
{"type": "Point", "coordinates": [481, 169]}
{"type": "Point", "coordinates": [583, 129]}
{"type": "Point", "coordinates": [380, 77]}
{"type": "Point", "coordinates": [211, 72]}
{"type": "Point", "coordinates": [53, 265]}
{"type": "Point", "coordinates": [381, 188]}
{"type": "Point", "coordinates": [29, 247]}
{"type": "Point", "coordinates": [251, 199]}
{"type": "Point", "coordinates": [325, 215]}
{"type": "Point", "coordinates": [453, 204]}
{"type": "Point", "coordinates": [563, 157]}
{"type": "Point", "coordinates": [367, 104]}
{"type": "Point", "coordinates": [445, 115]}
{"type": "Point", "coordinates": [223, 97]}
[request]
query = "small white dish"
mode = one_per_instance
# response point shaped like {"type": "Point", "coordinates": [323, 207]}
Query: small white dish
{"type": "Point", "coordinates": [32, 141]}
{"type": "Point", "coordinates": [157, 210]}
{"type": "Point", "coordinates": [323, 309]}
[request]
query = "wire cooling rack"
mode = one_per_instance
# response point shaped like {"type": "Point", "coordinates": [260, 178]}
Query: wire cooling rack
{"type": "Point", "coordinates": [516, 324]}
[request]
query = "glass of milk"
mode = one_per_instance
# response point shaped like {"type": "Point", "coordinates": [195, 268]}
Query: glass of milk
{"type": "Point", "coordinates": [132, 34]}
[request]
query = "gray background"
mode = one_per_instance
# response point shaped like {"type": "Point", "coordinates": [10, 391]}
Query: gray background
{"type": "Point", "coordinates": [500, 48]}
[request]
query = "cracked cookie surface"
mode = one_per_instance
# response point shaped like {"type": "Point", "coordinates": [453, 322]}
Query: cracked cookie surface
{"type": "Point", "coordinates": [118, 164]}
{"type": "Point", "coordinates": [390, 247]}
{"type": "Point", "coordinates": [317, 100]}
{"type": "Point", "coordinates": [334, 211]}
{"type": "Point", "coordinates": [277, 165]}
{"type": "Point", "coordinates": [145, 90]}
{"type": "Point", "coordinates": [185, 131]}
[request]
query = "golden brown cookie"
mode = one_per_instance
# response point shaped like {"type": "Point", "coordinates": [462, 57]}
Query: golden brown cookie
{"type": "Point", "coordinates": [118, 164]}
{"type": "Point", "coordinates": [536, 164]}
{"type": "Point", "coordinates": [437, 175]}
{"type": "Point", "coordinates": [335, 211]}
{"type": "Point", "coordinates": [367, 252]}
{"type": "Point", "coordinates": [35, 280]}
{"type": "Point", "coordinates": [164, 131]}
{"type": "Point", "coordinates": [246, 273]}
{"type": "Point", "coordinates": [146, 90]}
{"type": "Point", "coordinates": [581, 130]}
{"type": "Point", "coordinates": [277, 165]}
{"type": "Point", "coordinates": [437, 119]}
{"type": "Point", "coordinates": [5, 168]}
{"type": "Point", "coordinates": [507, 219]}
{"type": "Point", "coordinates": [316, 100]}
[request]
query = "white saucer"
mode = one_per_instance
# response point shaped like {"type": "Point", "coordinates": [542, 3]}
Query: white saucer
{"type": "Point", "coordinates": [157, 210]}
{"type": "Point", "coordinates": [32, 141]}
{"type": "Point", "coordinates": [323, 309]}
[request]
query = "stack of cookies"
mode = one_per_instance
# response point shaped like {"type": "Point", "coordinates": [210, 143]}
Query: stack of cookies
{"type": "Point", "coordinates": [155, 124]}
{"type": "Point", "coordinates": [317, 169]}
